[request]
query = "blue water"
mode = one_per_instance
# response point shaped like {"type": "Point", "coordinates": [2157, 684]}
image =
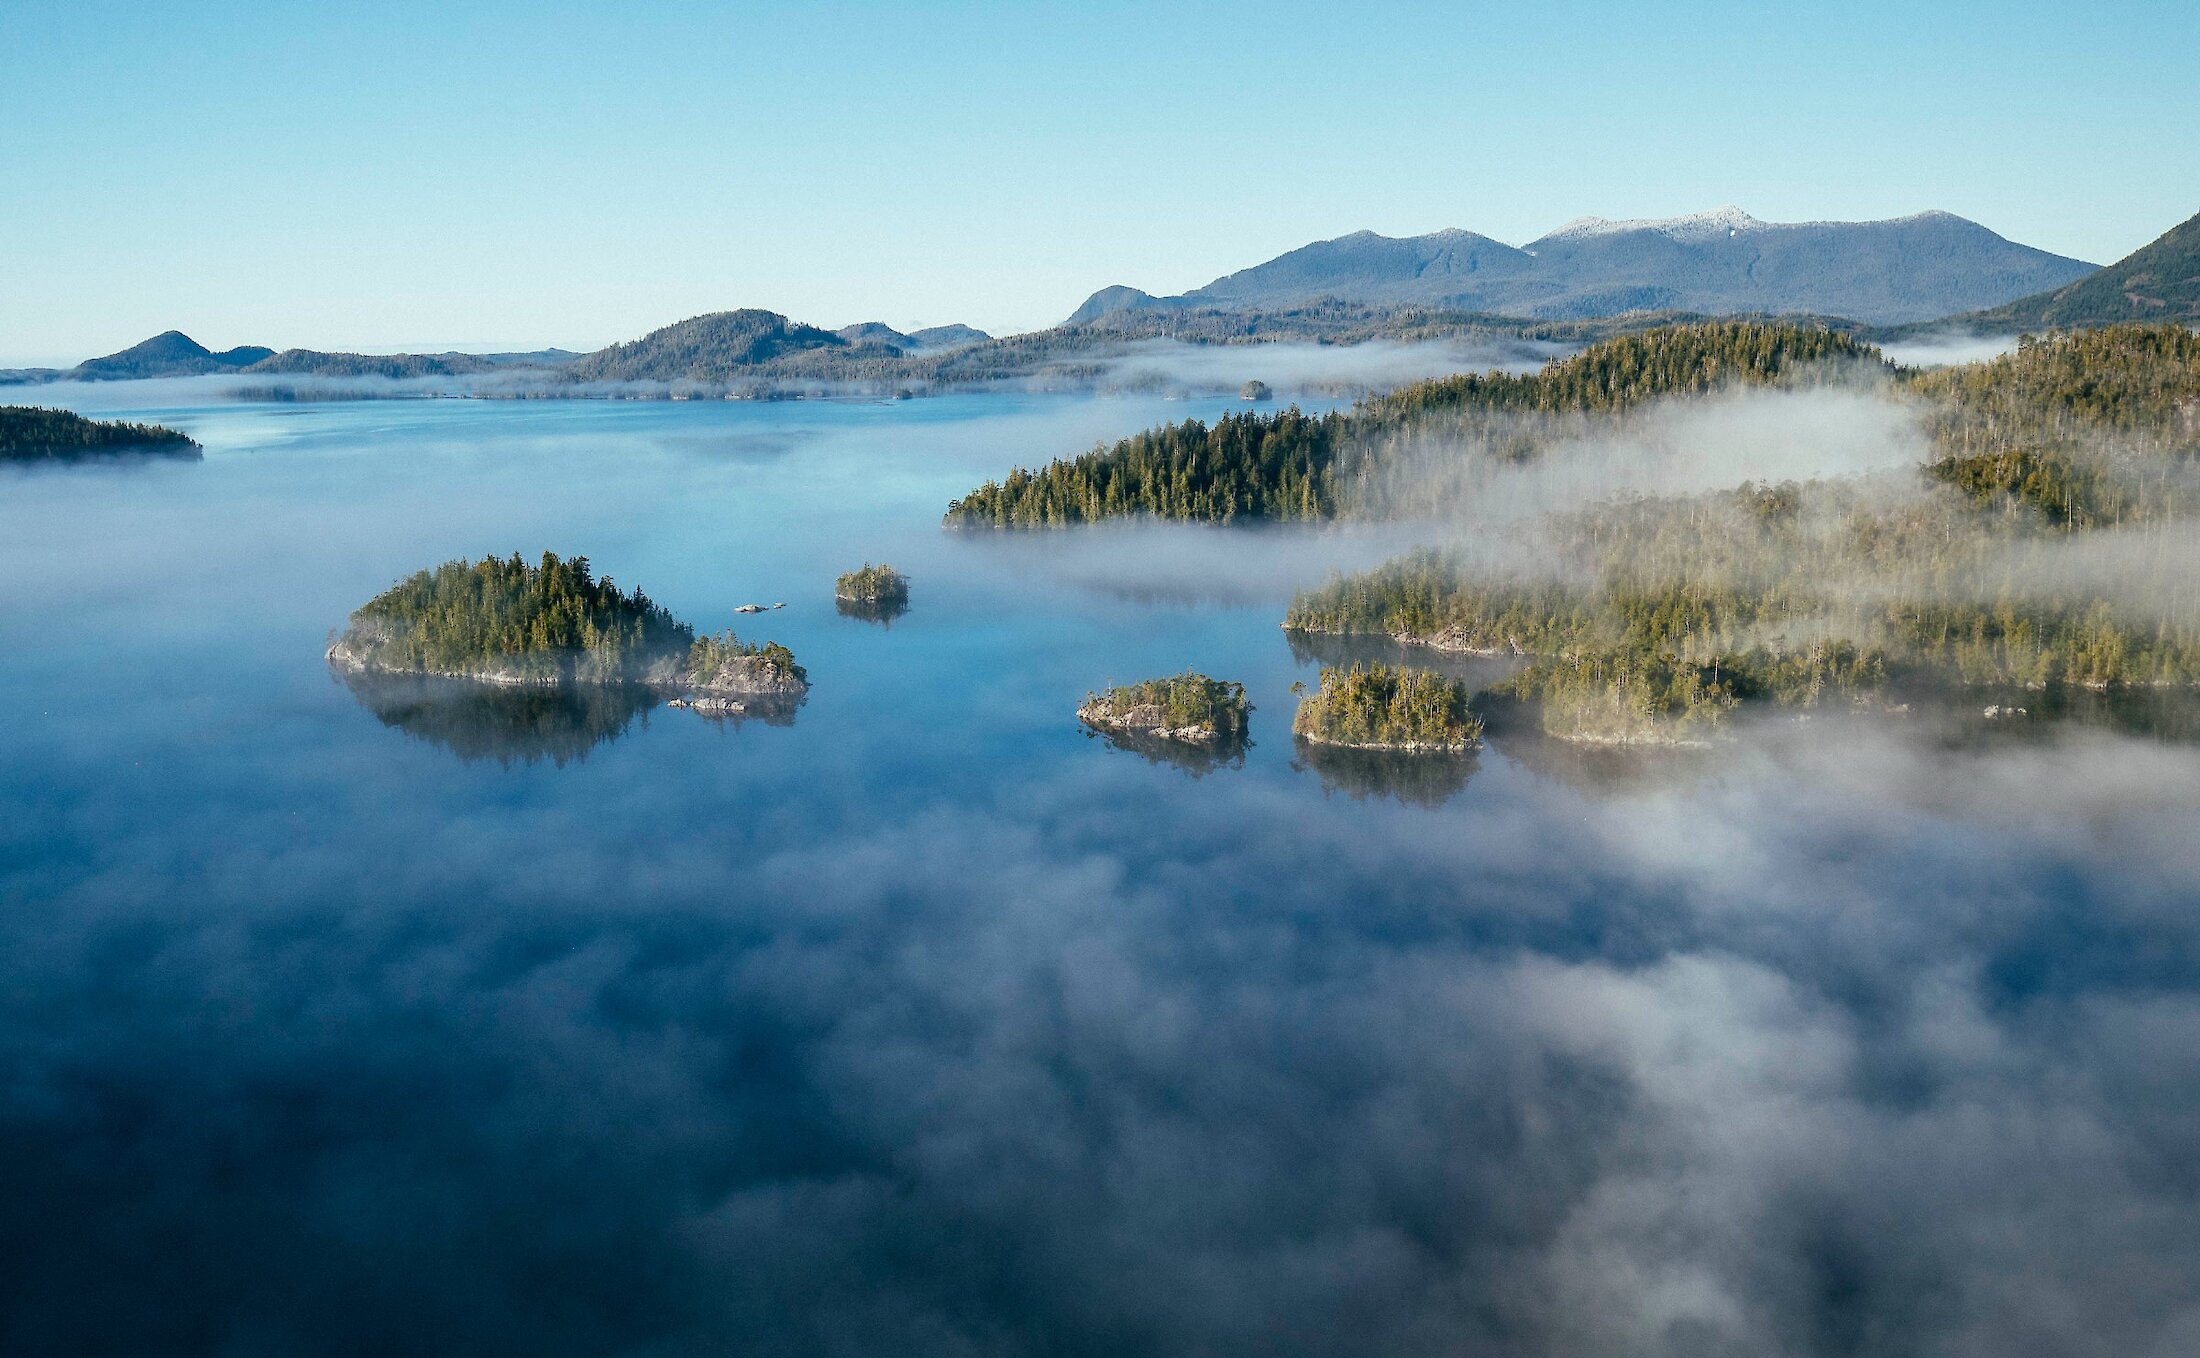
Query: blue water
{"type": "Point", "coordinates": [928, 1023]}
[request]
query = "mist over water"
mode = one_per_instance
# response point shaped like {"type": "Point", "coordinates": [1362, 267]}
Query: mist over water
{"type": "Point", "coordinates": [922, 1022]}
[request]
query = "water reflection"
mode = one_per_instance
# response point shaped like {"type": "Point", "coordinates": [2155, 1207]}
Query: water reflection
{"type": "Point", "coordinates": [1423, 778]}
{"type": "Point", "coordinates": [2001, 714]}
{"type": "Point", "coordinates": [767, 709]}
{"type": "Point", "coordinates": [506, 723]}
{"type": "Point", "coordinates": [881, 611]}
{"type": "Point", "coordinates": [142, 455]}
{"type": "Point", "coordinates": [1196, 760]}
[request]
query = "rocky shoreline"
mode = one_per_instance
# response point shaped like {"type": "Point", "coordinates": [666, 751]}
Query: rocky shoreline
{"type": "Point", "coordinates": [1145, 720]}
{"type": "Point", "coordinates": [1390, 747]}
{"type": "Point", "coordinates": [740, 686]}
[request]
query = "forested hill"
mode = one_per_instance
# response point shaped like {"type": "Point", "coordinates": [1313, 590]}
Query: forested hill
{"type": "Point", "coordinates": [35, 434]}
{"type": "Point", "coordinates": [313, 362]}
{"type": "Point", "coordinates": [717, 347]}
{"type": "Point", "coordinates": [1292, 466]}
{"type": "Point", "coordinates": [1681, 360]}
{"type": "Point", "coordinates": [168, 354]}
{"type": "Point", "coordinates": [2159, 281]}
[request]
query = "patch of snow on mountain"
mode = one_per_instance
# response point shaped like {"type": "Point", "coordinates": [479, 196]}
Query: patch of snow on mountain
{"type": "Point", "coordinates": [1697, 226]}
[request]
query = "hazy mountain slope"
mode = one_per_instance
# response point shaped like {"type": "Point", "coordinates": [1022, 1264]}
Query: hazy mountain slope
{"type": "Point", "coordinates": [874, 332]}
{"type": "Point", "coordinates": [1366, 267]}
{"type": "Point", "coordinates": [315, 363]}
{"type": "Point", "coordinates": [1715, 263]}
{"type": "Point", "coordinates": [168, 354]}
{"type": "Point", "coordinates": [953, 336]}
{"type": "Point", "coordinates": [1880, 273]}
{"type": "Point", "coordinates": [708, 348]}
{"type": "Point", "coordinates": [2159, 281]}
{"type": "Point", "coordinates": [931, 339]}
{"type": "Point", "coordinates": [1117, 297]}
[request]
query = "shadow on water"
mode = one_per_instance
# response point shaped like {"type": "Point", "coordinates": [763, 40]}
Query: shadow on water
{"type": "Point", "coordinates": [508, 724]}
{"type": "Point", "coordinates": [1980, 714]}
{"type": "Point", "coordinates": [103, 459]}
{"type": "Point", "coordinates": [748, 447]}
{"type": "Point", "coordinates": [1196, 760]}
{"type": "Point", "coordinates": [1420, 779]}
{"type": "Point", "coordinates": [764, 710]}
{"type": "Point", "coordinates": [881, 611]}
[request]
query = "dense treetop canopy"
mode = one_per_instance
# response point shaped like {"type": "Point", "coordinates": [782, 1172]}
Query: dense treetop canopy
{"type": "Point", "coordinates": [546, 618]}
{"type": "Point", "coordinates": [1387, 707]}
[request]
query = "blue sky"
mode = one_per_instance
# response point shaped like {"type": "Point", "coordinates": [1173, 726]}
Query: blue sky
{"type": "Point", "coordinates": [395, 174]}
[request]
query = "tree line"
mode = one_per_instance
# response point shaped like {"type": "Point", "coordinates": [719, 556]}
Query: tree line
{"type": "Point", "coordinates": [1290, 466]}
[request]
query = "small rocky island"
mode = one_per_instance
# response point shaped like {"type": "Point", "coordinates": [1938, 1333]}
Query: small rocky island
{"type": "Point", "coordinates": [553, 622]}
{"type": "Point", "coordinates": [1382, 707]}
{"type": "Point", "coordinates": [37, 434]}
{"type": "Point", "coordinates": [727, 676]}
{"type": "Point", "coordinates": [1189, 709]}
{"type": "Point", "coordinates": [877, 594]}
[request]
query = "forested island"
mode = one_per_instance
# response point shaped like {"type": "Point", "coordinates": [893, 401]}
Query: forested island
{"type": "Point", "coordinates": [878, 594]}
{"type": "Point", "coordinates": [37, 434]}
{"type": "Point", "coordinates": [869, 584]}
{"type": "Point", "coordinates": [728, 676]}
{"type": "Point", "coordinates": [508, 621]}
{"type": "Point", "coordinates": [1189, 708]}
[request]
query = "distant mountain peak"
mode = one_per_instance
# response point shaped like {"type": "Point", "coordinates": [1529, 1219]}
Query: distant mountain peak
{"type": "Point", "coordinates": [166, 344]}
{"type": "Point", "coordinates": [873, 332]}
{"type": "Point", "coordinates": [1113, 298]}
{"type": "Point", "coordinates": [171, 353]}
{"type": "Point", "coordinates": [711, 347]}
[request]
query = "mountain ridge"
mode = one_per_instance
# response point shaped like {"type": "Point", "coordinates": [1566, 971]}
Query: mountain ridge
{"type": "Point", "coordinates": [1721, 262]}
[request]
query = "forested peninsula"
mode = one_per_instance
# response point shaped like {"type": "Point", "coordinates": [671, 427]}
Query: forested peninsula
{"type": "Point", "coordinates": [2044, 546]}
{"type": "Point", "coordinates": [1289, 466]}
{"type": "Point", "coordinates": [37, 434]}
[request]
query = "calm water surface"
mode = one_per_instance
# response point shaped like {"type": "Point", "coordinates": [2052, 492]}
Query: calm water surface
{"type": "Point", "coordinates": [382, 1019]}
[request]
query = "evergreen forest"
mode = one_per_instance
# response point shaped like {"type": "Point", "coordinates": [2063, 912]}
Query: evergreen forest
{"type": "Point", "coordinates": [541, 620]}
{"type": "Point", "coordinates": [37, 434]}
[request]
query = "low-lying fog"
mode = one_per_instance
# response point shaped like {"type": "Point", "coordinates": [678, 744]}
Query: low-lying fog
{"type": "Point", "coordinates": [927, 1025]}
{"type": "Point", "coordinates": [1155, 367]}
